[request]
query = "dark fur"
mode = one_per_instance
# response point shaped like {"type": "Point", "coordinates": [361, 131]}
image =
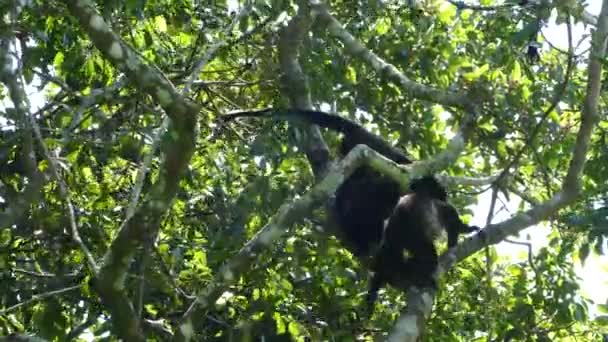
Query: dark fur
{"type": "Point", "coordinates": [367, 198]}
{"type": "Point", "coordinates": [407, 255]}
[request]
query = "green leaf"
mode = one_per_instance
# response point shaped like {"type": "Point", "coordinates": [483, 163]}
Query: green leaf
{"type": "Point", "coordinates": [160, 24]}
{"type": "Point", "coordinates": [516, 72]}
{"type": "Point", "coordinates": [477, 73]}
{"type": "Point", "coordinates": [351, 74]}
{"type": "Point", "coordinates": [382, 25]}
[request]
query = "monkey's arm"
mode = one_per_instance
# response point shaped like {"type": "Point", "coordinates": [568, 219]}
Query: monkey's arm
{"type": "Point", "coordinates": [451, 221]}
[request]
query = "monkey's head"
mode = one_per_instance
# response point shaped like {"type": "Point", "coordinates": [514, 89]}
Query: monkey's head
{"type": "Point", "coordinates": [429, 186]}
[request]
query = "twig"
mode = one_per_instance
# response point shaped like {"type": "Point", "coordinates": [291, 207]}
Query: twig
{"type": "Point", "coordinates": [34, 274]}
{"type": "Point", "coordinates": [21, 102]}
{"type": "Point", "coordinates": [39, 297]}
{"type": "Point", "coordinates": [557, 97]}
{"type": "Point", "coordinates": [216, 46]}
{"type": "Point", "coordinates": [527, 245]}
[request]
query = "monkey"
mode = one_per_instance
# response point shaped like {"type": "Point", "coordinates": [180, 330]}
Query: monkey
{"type": "Point", "coordinates": [366, 198]}
{"type": "Point", "coordinates": [371, 210]}
{"type": "Point", "coordinates": [407, 255]}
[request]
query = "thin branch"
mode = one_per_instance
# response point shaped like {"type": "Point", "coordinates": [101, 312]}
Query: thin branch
{"type": "Point", "coordinates": [231, 83]}
{"type": "Point", "coordinates": [38, 297]}
{"type": "Point", "coordinates": [528, 245]}
{"type": "Point", "coordinates": [86, 102]}
{"type": "Point", "coordinates": [159, 328]}
{"type": "Point", "coordinates": [78, 330]}
{"type": "Point", "coordinates": [63, 190]}
{"type": "Point", "coordinates": [34, 274]}
{"type": "Point", "coordinates": [216, 46]}
{"type": "Point", "coordinates": [571, 186]}
{"type": "Point", "coordinates": [22, 105]}
{"type": "Point", "coordinates": [450, 180]}
{"type": "Point", "coordinates": [143, 170]}
{"type": "Point", "coordinates": [557, 97]}
{"type": "Point", "coordinates": [354, 47]}
{"type": "Point", "coordinates": [461, 5]}
{"type": "Point", "coordinates": [488, 262]}
{"type": "Point", "coordinates": [170, 276]}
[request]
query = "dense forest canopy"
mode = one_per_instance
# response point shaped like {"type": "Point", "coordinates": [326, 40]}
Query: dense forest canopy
{"type": "Point", "coordinates": [133, 208]}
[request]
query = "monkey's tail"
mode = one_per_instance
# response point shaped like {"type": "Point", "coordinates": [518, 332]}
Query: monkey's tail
{"type": "Point", "coordinates": [354, 132]}
{"type": "Point", "coordinates": [331, 121]}
{"type": "Point", "coordinates": [323, 119]}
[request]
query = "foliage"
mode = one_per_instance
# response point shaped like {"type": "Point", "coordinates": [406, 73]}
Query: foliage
{"type": "Point", "coordinates": [99, 127]}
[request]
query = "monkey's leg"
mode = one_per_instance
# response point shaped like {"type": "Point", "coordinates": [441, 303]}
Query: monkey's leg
{"type": "Point", "coordinates": [419, 269]}
{"type": "Point", "coordinates": [384, 269]}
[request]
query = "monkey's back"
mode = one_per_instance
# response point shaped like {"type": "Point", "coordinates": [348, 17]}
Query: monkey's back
{"type": "Point", "coordinates": [362, 204]}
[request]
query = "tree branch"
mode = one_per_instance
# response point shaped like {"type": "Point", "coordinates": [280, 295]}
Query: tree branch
{"type": "Point", "coordinates": [571, 187]}
{"type": "Point", "coordinates": [291, 212]}
{"type": "Point", "coordinates": [39, 297]}
{"type": "Point", "coordinates": [355, 48]}
{"type": "Point", "coordinates": [295, 85]}
{"type": "Point", "coordinates": [216, 46]}
{"type": "Point", "coordinates": [178, 149]}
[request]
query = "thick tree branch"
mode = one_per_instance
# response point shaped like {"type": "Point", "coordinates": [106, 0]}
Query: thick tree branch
{"type": "Point", "coordinates": [288, 214]}
{"type": "Point", "coordinates": [178, 148]}
{"type": "Point", "coordinates": [294, 84]}
{"type": "Point", "coordinates": [412, 319]}
{"type": "Point", "coordinates": [291, 212]}
{"type": "Point", "coordinates": [571, 186]}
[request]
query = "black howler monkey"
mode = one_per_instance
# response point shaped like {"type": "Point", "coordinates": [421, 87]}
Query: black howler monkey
{"type": "Point", "coordinates": [407, 255]}
{"type": "Point", "coordinates": [367, 199]}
